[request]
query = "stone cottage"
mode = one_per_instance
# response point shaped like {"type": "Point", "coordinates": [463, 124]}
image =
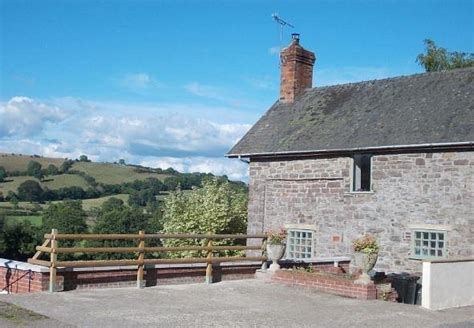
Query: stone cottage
{"type": "Point", "coordinates": [392, 157]}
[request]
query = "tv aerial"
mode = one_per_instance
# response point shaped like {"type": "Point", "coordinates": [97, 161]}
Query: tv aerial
{"type": "Point", "coordinates": [281, 24]}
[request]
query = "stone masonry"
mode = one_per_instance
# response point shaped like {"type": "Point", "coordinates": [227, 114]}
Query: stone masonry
{"type": "Point", "coordinates": [409, 191]}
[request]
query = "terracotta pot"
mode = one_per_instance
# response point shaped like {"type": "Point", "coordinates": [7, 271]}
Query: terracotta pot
{"type": "Point", "coordinates": [365, 262]}
{"type": "Point", "coordinates": [274, 253]}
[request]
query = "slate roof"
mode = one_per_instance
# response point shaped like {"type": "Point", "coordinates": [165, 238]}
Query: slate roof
{"type": "Point", "coordinates": [429, 108]}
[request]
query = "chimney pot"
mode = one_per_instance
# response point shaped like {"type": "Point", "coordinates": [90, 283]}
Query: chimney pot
{"type": "Point", "coordinates": [296, 70]}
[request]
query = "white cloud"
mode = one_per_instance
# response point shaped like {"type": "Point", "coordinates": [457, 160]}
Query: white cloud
{"type": "Point", "coordinates": [23, 116]}
{"type": "Point", "coordinates": [110, 131]}
{"type": "Point", "coordinates": [266, 82]}
{"type": "Point", "coordinates": [274, 50]}
{"type": "Point", "coordinates": [206, 91]}
{"type": "Point", "coordinates": [138, 81]}
{"type": "Point", "coordinates": [234, 169]}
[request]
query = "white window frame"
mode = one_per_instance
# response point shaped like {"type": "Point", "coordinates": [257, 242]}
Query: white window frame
{"type": "Point", "coordinates": [292, 244]}
{"type": "Point", "coordinates": [433, 246]}
{"type": "Point", "coordinates": [353, 176]}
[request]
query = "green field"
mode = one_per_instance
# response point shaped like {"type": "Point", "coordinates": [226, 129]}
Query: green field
{"type": "Point", "coordinates": [35, 220]}
{"type": "Point", "coordinates": [51, 182]}
{"type": "Point", "coordinates": [88, 204]}
{"type": "Point", "coordinates": [19, 162]}
{"type": "Point", "coordinates": [113, 173]}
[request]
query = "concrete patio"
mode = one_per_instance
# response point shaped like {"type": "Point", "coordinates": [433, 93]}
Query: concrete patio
{"type": "Point", "coordinates": [244, 303]}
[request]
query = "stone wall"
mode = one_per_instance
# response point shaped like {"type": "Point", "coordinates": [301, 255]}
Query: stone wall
{"type": "Point", "coordinates": [408, 190]}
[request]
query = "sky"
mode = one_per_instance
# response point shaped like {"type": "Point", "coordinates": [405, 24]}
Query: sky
{"type": "Point", "coordinates": [178, 83]}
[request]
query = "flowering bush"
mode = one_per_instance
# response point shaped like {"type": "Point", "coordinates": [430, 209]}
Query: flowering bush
{"type": "Point", "coordinates": [366, 244]}
{"type": "Point", "coordinates": [276, 237]}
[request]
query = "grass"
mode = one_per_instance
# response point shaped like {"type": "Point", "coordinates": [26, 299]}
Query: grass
{"type": "Point", "coordinates": [88, 204]}
{"type": "Point", "coordinates": [19, 162]}
{"type": "Point", "coordinates": [113, 173]}
{"type": "Point", "coordinates": [18, 315]}
{"type": "Point", "coordinates": [35, 220]}
{"type": "Point", "coordinates": [106, 173]}
{"type": "Point", "coordinates": [51, 182]}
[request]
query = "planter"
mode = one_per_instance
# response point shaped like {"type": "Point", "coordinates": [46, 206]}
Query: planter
{"type": "Point", "coordinates": [365, 262]}
{"type": "Point", "coordinates": [274, 253]}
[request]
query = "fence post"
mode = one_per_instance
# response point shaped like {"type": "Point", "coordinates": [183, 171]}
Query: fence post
{"type": "Point", "coordinates": [141, 258]}
{"type": "Point", "coordinates": [53, 259]}
{"type": "Point", "coordinates": [264, 254]}
{"type": "Point", "coordinates": [209, 263]}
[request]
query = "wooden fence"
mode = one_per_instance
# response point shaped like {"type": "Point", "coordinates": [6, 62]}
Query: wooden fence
{"type": "Point", "coordinates": [50, 246]}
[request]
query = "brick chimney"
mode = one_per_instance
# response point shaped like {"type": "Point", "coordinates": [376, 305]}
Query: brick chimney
{"type": "Point", "coordinates": [296, 70]}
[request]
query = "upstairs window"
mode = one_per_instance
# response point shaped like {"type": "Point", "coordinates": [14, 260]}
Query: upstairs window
{"type": "Point", "coordinates": [362, 171]}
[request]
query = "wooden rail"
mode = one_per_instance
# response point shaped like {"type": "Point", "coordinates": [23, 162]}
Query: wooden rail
{"type": "Point", "coordinates": [50, 246]}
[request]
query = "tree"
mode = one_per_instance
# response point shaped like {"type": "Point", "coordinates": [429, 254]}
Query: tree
{"type": "Point", "coordinates": [67, 217]}
{"type": "Point", "coordinates": [52, 170]}
{"type": "Point", "coordinates": [3, 174]}
{"type": "Point", "coordinates": [33, 169]}
{"type": "Point", "coordinates": [83, 158]}
{"type": "Point", "coordinates": [121, 161]}
{"type": "Point", "coordinates": [119, 220]}
{"type": "Point", "coordinates": [214, 208]}
{"type": "Point", "coordinates": [17, 239]}
{"type": "Point", "coordinates": [141, 198]}
{"type": "Point", "coordinates": [66, 165]}
{"type": "Point", "coordinates": [30, 191]}
{"type": "Point", "coordinates": [113, 203]}
{"type": "Point", "coordinates": [439, 59]}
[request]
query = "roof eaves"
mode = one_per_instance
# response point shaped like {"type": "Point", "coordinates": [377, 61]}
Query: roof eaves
{"type": "Point", "coordinates": [457, 145]}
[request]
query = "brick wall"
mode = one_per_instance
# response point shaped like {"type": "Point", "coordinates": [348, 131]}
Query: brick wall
{"type": "Point", "coordinates": [31, 282]}
{"type": "Point", "coordinates": [100, 278]}
{"type": "Point", "coordinates": [416, 189]}
{"type": "Point", "coordinates": [331, 284]}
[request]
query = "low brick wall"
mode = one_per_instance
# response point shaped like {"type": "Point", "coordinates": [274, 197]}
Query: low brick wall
{"type": "Point", "coordinates": [28, 282]}
{"type": "Point", "coordinates": [327, 283]}
{"type": "Point", "coordinates": [36, 278]}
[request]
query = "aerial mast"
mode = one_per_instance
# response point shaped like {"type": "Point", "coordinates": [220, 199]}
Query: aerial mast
{"type": "Point", "coordinates": [281, 23]}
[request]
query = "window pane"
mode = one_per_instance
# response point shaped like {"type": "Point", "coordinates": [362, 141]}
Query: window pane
{"type": "Point", "coordinates": [426, 235]}
{"type": "Point", "coordinates": [440, 252]}
{"type": "Point", "coordinates": [440, 244]}
{"type": "Point", "coordinates": [417, 250]}
{"type": "Point", "coordinates": [425, 251]}
{"type": "Point", "coordinates": [432, 252]}
{"type": "Point", "coordinates": [417, 242]}
{"type": "Point", "coordinates": [433, 235]}
{"type": "Point", "coordinates": [425, 242]}
{"type": "Point", "coordinates": [441, 236]}
{"type": "Point", "coordinates": [418, 234]}
{"type": "Point", "coordinates": [433, 244]}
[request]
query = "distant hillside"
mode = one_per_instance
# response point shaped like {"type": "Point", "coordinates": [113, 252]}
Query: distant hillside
{"type": "Point", "coordinates": [19, 162]}
{"type": "Point", "coordinates": [99, 179]}
{"type": "Point", "coordinates": [109, 173]}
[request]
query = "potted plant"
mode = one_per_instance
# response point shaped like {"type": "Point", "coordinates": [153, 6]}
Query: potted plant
{"type": "Point", "coordinates": [366, 252]}
{"type": "Point", "coordinates": [275, 247]}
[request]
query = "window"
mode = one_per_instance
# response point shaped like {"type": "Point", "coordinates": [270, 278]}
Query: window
{"type": "Point", "coordinates": [299, 245]}
{"type": "Point", "coordinates": [361, 173]}
{"type": "Point", "coordinates": [429, 243]}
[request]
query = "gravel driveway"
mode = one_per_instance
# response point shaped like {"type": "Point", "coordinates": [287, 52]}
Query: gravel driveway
{"type": "Point", "coordinates": [244, 303]}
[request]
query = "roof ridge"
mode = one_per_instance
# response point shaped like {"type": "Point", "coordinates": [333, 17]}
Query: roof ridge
{"type": "Point", "coordinates": [393, 78]}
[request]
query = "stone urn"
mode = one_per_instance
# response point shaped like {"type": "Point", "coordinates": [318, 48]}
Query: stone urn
{"type": "Point", "coordinates": [274, 253]}
{"type": "Point", "coordinates": [365, 262]}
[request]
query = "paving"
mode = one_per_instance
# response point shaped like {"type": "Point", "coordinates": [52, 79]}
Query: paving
{"type": "Point", "coordinates": [244, 303]}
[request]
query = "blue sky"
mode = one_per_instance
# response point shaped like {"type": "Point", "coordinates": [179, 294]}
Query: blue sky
{"type": "Point", "coordinates": [177, 83]}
